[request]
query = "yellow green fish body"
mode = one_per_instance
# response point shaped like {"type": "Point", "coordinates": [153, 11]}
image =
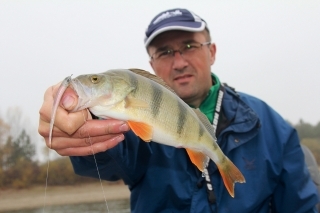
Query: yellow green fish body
{"type": "Point", "coordinates": [154, 112]}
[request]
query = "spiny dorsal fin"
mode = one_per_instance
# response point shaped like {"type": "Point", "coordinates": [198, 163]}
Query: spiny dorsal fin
{"type": "Point", "coordinates": [151, 77]}
{"type": "Point", "coordinates": [205, 121]}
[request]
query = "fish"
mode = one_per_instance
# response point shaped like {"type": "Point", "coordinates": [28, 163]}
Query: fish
{"type": "Point", "coordinates": [154, 112]}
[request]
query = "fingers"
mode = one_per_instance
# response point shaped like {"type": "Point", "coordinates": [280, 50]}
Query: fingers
{"type": "Point", "coordinates": [98, 135]}
{"type": "Point", "coordinates": [101, 127]}
{"type": "Point", "coordinates": [70, 122]}
{"type": "Point", "coordinates": [93, 148]}
{"type": "Point", "coordinates": [69, 99]}
{"type": "Point", "coordinates": [63, 143]}
{"type": "Point", "coordinates": [91, 129]}
{"type": "Point", "coordinates": [67, 122]}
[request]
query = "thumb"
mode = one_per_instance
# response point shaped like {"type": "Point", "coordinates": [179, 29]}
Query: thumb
{"type": "Point", "coordinates": [69, 100]}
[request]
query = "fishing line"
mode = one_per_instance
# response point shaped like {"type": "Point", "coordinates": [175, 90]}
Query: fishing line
{"type": "Point", "coordinates": [95, 161]}
{"type": "Point", "coordinates": [46, 186]}
{"type": "Point", "coordinates": [63, 86]}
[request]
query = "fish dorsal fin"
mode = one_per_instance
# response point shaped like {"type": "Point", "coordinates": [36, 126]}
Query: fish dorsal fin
{"type": "Point", "coordinates": [143, 130]}
{"type": "Point", "coordinates": [205, 121]}
{"type": "Point", "coordinates": [152, 77]}
{"type": "Point", "coordinates": [198, 158]}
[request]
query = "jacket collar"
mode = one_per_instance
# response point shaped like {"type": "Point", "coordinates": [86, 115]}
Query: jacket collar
{"type": "Point", "coordinates": [238, 121]}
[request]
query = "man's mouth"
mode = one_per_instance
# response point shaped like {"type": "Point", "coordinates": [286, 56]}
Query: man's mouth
{"type": "Point", "coordinates": [182, 78]}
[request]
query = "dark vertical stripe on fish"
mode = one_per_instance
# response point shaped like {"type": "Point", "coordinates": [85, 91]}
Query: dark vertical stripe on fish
{"type": "Point", "coordinates": [133, 82]}
{"type": "Point", "coordinates": [181, 118]}
{"type": "Point", "coordinates": [224, 159]}
{"type": "Point", "coordinates": [215, 146]}
{"type": "Point", "coordinates": [157, 95]}
{"type": "Point", "coordinates": [201, 131]}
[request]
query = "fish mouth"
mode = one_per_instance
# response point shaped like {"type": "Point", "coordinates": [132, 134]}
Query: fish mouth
{"type": "Point", "coordinates": [78, 88]}
{"type": "Point", "coordinates": [74, 86]}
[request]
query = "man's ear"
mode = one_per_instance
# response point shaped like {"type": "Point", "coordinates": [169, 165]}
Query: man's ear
{"type": "Point", "coordinates": [151, 64]}
{"type": "Point", "coordinates": [150, 60]}
{"type": "Point", "coordinates": [212, 50]}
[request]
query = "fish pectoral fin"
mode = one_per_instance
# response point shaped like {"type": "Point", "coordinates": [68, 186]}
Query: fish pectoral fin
{"type": "Point", "coordinates": [134, 102]}
{"type": "Point", "coordinates": [143, 130]}
{"type": "Point", "coordinates": [197, 158]}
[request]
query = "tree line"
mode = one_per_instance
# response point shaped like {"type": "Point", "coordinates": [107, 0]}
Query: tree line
{"type": "Point", "coordinates": [20, 169]}
{"type": "Point", "coordinates": [310, 136]}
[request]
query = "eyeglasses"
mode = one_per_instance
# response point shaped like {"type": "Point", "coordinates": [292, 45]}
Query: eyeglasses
{"type": "Point", "coordinates": [186, 51]}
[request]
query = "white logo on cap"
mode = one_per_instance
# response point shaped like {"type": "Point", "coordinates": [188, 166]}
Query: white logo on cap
{"type": "Point", "coordinates": [167, 15]}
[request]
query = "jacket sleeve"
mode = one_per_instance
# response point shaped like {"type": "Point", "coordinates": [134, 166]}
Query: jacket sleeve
{"type": "Point", "coordinates": [296, 191]}
{"type": "Point", "coordinates": [128, 161]}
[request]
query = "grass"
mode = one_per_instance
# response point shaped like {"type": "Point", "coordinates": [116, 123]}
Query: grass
{"type": "Point", "coordinates": [60, 195]}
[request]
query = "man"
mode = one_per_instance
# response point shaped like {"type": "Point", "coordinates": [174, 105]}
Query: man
{"type": "Point", "coordinates": [162, 178]}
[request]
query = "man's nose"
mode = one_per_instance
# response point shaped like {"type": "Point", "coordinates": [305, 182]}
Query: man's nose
{"type": "Point", "coordinates": [179, 62]}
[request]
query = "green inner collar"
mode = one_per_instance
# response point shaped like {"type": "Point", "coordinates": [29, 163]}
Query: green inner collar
{"type": "Point", "coordinates": [208, 105]}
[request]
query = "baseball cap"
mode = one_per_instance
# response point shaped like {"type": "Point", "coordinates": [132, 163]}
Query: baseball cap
{"type": "Point", "coordinates": [174, 19]}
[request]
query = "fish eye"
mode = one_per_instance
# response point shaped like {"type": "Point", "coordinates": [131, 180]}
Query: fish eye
{"type": "Point", "coordinates": [95, 79]}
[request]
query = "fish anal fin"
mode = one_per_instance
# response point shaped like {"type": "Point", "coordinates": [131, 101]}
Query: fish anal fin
{"type": "Point", "coordinates": [197, 158]}
{"type": "Point", "coordinates": [143, 130]}
{"type": "Point", "coordinates": [230, 175]}
{"type": "Point", "coordinates": [135, 103]}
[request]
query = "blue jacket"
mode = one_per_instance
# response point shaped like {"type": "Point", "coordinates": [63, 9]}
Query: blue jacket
{"type": "Point", "coordinates": [259, 142]}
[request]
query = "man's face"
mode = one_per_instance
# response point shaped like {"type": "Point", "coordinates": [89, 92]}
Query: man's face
{"type": "Point", "coordinates": [188, 75]}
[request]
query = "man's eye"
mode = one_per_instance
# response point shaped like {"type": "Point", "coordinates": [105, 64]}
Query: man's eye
{"type": "Point", "coordinates": [164, 53]}
{"type": "Point", "coordinates": [190, 46]}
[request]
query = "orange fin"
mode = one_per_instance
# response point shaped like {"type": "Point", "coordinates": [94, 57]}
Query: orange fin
{"type": "Point", "coordinates": [230, 175]}
{"type": "Point", "coordinates": [198, 158]}
{"type": "Point", "coordinates": [143, 130]}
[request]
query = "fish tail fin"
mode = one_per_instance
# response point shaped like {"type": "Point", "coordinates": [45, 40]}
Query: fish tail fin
{"type": "Point", "coordinates": [230, 175]}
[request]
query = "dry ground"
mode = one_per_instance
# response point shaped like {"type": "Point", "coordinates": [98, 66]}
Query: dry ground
{"type": "Point", "coordinates": [59, 195]}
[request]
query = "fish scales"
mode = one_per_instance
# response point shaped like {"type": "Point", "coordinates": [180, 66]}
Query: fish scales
{"type": "Point", "coordinates": [157, 97]}
{"type": "Point", "coordinates": [163, 104]}
{"type": "Point", "coordinates": [168, 107]}
{"type": "Point", "coordinates": [154, 113]}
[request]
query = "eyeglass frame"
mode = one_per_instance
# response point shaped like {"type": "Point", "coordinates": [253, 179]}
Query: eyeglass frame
{"type": "Point", "coordinates": [179, 50]}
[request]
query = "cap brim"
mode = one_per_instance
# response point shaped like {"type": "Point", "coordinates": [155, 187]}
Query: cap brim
{"type": "Point", "coordinates": [185, 26]}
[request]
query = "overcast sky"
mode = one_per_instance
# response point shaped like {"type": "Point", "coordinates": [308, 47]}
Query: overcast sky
{"type": "Point", "coordinates": [267, 48]}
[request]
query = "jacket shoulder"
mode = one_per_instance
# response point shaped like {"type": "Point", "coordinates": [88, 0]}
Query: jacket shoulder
{"type": "Point", "coordinates": [265, 112]}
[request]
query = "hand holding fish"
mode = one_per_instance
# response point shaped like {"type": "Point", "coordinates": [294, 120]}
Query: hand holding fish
{"type": "Point", "coordinates": [71, 131]}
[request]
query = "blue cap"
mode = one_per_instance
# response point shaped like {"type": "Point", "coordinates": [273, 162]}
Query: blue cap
{"type": "Point", "coordinates": [174, 19]}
